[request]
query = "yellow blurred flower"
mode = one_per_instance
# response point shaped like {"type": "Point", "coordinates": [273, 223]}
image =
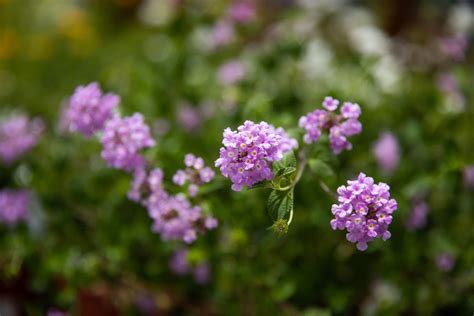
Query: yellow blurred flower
{"type": "Point", "coordinates": [76, 27]}
{"type": "Point", "coordinates": [9, 43]}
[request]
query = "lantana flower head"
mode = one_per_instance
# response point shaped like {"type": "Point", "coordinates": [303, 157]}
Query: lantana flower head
{"type": "Point", "coordinates": [122, 140]}
{"type": "Point", "coordinates": [339, 126]}
{"type": "Point", "coordinates": [14, 206]}
{"type": "Point", "coordinates": [196, 173]}
{"type": "Point", "coordinates": [248, 153]}
{"type": "Point", "coordinates": [176, 218]}
{"type": "Point", "coordinates": [364, 210]}
{"type": "Point", "coordinates": [89, 109]}
{"type": "Point", "coordinates": [18, 134]}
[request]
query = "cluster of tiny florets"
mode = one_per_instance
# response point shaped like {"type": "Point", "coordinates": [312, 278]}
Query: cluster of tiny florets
{"type": "Point", "coordinates": [176, 218]}
{"type": "Point", "coordinates": [89, 109]}
{"type": "Point", "coordinates": [18, 134]}
{"type": "Point", "coordinates": [173, 215]}
{"type": "Point", "coordinates": [14, 206]}
{"type": "Point", "coordinates": [339, 125]}
{"type": "Point", "coordinates": [122, 140]}
{"type": "Point", "coordinates": [248, 153]}
{"type": "Point", "coordinates": [365, 210]}
{"type": "Point", "coordinates": [196, 173]}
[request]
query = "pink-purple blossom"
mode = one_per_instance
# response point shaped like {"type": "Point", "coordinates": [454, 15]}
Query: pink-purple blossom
{"type": "Point", "coordinates": [18, 134]}
{"type": "Point", "coordinates": [122, 140]}
{"type": "Point", "coordinates": [14, 206]}
{"type": "Point", "coordinates": [468, 173]}
{"type": "Point", "coordinates": [196, 174]}
{"type": "Point", "coordinates": [339, 126]}
{"type": "Point", "coordinates": [56, 312]}
{"type": "Point", "coordinates": [387, 152]}
{"type": "Point", "coordinates": [242, 11]}
{"type": "Point", "coordinates": [147, 187]}
{"type": "Point", "coordinates": [179, 264]}
{"type": "Point", "coordinates": [417, 218]}
{"type": "Point", "coordinates": [248, 153]}
{"type": "Point", "coordinates": [445, 261]}
{"type": "Point", "coordinates": [189, 117]}
{"type": "Point", "coordinates": [175, 218]}
{"type": "Point", "coordinates": [364, 210]}
{"type": "Point", "coordinates": [89, 109]}
{"type": "Point", "coordinates": [454, 47]}
{"type": "Point", "coordinates": [222, 33]}
{"type": "Point", "coordinates": [231, 72]}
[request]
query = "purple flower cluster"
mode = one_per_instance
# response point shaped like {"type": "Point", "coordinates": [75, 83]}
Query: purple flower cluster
{"type": "Point", "coordinates": [14, 205]}
{"type": "Point", "coordinates": [248, 153]}
{"type": "Point", "coordinates": [122, 139]}
{"type": "Point", "coordinates": [18, 135]}
{"type": "Point", "coordinates": [180, 265]}
{"type": "Point", "coordinates": [387, 152]}
{"type": "Point", "coordinates": [195, 173]}
{"type": "Point", "coordinates": [339, 125]}
{"type": "Point", "coordinates": [89, 109]}
{"type": "Point", "coordinates": [147, 188]}
{"type": "Point", "coordinates": [365, 210]}
{"type": "Point", "coordinates": [174, 216]}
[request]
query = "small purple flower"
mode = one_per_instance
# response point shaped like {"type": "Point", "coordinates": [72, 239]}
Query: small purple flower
{"type": "Point", "coordinates": [248, 153]}
{"type": "Point", "coordinates": [454, 47]}
{"type": "Point", "coordinates": [14, 206]}
{"type": "Point", "coordinates": [242, 11]}
{"type": "Point", "coordinates": [469, 176]}
{"type": "Point", "coordinates": [447, 83]}
{"type": "Point", "coordinates": [179, 262]}
{"type": "Point", "coordinates": [231, 72]}
{"type": "Point", "coordinates": [196, 174]}
{"type": "Point", "coordinates": [202, 273]}
{"type": "Point", "coordinates": [179, 265]}
{"type": "Point", "coordinates": [18, 135]}
{"type": "Point", "coordinates": [445, 261]}
{"type": "Point", "coordinates": [417, 218]}
{"type": "Point", "coordinates": [330, 103]}
{"type": "Point", "coordinates": [365, 210]}
{"type": "Point", "coordinates": [56, 312]}
{"type": "Point", "coordinates": [339, 126]}
{"type": "Point", "coordinates": [189, 117]}
{"type": "Point", "coordinates": [387, 152]}
{"type": "Point", "coordinates": [146, 304]}
{"type": "Point", "coordinates": [122, 140]}
{"type": "Point", "coordinates": [222, 33]}
{"type": "Point", "coordinates": [147, 186]}
{"type": "Point", "coordinates": [89, 109]}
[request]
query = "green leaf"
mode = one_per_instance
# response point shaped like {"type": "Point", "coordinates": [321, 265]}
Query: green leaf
{"type": "Point", "coordinates": [282, 172]}
{"type": "Point", "coordinates": [320, 168]}
{"type": "Point", "coordinates": [288, 161]}
{"type": "Point", "coordinates": [280, 203]}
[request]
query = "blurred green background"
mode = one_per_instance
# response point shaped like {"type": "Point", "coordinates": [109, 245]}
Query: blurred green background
{"type": "Point", "coordinates": [89, 251]}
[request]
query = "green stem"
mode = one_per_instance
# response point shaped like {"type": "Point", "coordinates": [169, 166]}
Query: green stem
{"type": "Point", "coordinates": [291, 217]}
